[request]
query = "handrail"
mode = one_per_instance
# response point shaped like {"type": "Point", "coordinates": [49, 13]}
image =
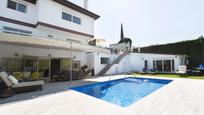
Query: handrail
{"type": "Point", "coordinates": [117, 60]}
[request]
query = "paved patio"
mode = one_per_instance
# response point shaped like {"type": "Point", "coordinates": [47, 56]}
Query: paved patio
{"type": "Point", "coordinates": [180, 97]}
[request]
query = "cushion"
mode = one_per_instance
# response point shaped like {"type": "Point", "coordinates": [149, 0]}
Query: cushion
{"type": "Point", "coordinates": [27, 84]}
{"type": "Point", "coordinates": [18, 75]}
{"type": "Point", "coordinates": [13, 80]}
{"type": "Point", "coordinates": [4, 78]}
{"type": "Point", "coordinates": [26, 74]}
{"type": "Point", "coordinates": [35, 75]}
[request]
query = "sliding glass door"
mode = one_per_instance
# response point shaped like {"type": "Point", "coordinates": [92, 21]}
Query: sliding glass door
{"type": "Point", "coordinates": [167, 65]}
{"type": "Point", "coordinates": [164, 65]}
{"type": "Point", "coordinates": [159, 65]}
{"type": "Point", "coordinates": [44, 67]}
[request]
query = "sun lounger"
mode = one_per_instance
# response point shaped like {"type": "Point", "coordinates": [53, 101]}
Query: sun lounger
{"type": "Point", "coordinates": [21, 87]}
{"type": "Point", "coordinates": [153, 71]}
{"type": "Point", "coordinates": [144, 71]}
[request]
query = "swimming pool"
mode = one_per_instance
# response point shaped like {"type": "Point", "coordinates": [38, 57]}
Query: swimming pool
{"type": "Point", "coordinates": [122, 92]}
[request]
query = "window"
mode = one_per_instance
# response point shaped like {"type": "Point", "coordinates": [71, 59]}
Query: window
{"type": "Point", "coordinates": [6, 29]}
{"type": "Point", "coordinates": [104, 60]}
{"type": "Point", "coordinates": [24, 32]}
{"type": "Point", "coordinates": [11, 64]}
{"type": "Point", "coordinates": [75, 41]}
{"type": "Point", "coordinates": [16, 31]}
{"type": "Point", "coordinates": [71, 18]}
{"type": "Point", "coordinates": [173, 65]}
{"type": "Point", "coordinates": [76, 65]}
{"type": "Point", "coordinates": [65, 64]}
{"type": "Point", "coordinates": [43, 64]}
{"type": "Point", "coordinates": [30, 63]}
{"type": "Point", "coordinates": [21, 8]}
{"type": "Point", "coordinates": [164, 65]}
{"type": "Point", "coordinates": [66, 16]}
{"type": "Point", "coordinates": [76, 20]}
{"type": "Point", "coordinates": [116, 51]}
{"type": "Point", "coordinates": [154, 64]}
{"type": "Point", "coordinates": [12, 5]}
{"type": "Point", "coordinates": [50, 36]}
{"type": "Point", "coordinates": [167, 65]}
{"type": "Point", "coordinates": [145, 64]}
{"type": "Point", "coordinates": [16, 6]}
{"type": "Point", "coordinates": [159, 65]}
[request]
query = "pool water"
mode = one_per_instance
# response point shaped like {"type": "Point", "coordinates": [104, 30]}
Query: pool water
{"type": "Point", "coordinates": [122, 92]}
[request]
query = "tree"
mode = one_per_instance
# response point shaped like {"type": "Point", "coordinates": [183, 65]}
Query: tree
{"type": "Point", "coordinates": [126, 40]}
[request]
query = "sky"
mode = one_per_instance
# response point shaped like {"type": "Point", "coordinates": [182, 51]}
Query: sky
{"type": "Point", "coordinates": [148, 22]}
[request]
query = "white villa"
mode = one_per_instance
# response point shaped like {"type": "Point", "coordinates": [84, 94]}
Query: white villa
{"type": "Point", "coordinates": [52, 35]}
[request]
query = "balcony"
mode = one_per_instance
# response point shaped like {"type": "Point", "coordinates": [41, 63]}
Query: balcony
{"type": "Point", "coordinates": [28, 39]}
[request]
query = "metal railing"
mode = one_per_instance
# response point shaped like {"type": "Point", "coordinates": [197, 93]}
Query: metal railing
{"type": "Point", "coordinates": [116, 61]}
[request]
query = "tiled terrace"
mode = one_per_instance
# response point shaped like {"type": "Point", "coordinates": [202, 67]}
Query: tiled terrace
{"type": "Point", "coordinates": [180, 97]}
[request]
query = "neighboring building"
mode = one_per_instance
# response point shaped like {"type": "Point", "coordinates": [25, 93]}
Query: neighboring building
{"type": "Point", "coordinates": [123, 59]}
{"type": "Point", "coordinates": [136, 62]}
{"type": "Point", "coordinates": [99, 42]}
{"type": "Point", "coordinates": [193, 48]}
{"type": "Point", "coordinates": [123, 45]}
{"type": "Point", "coordinates": [120, 48]}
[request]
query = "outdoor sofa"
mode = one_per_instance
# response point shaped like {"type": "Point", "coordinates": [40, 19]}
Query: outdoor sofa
{"type": "Point", "coordinates": [13, 86]}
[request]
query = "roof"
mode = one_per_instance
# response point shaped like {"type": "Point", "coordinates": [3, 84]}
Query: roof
{"type": "Point", "coordinates": [77, 8]}
{"type": "Point", "coordinates": [160, 53]}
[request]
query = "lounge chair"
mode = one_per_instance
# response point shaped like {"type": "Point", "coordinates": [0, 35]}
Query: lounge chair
{"type": "Point", "coordinates": [144, 70]}
{"type": "Point", "coordinates": [153, 71]}
{"type": "Point", "coordinates": [20, 87]}
{"type": "Point", "coordinates": [182, 70]}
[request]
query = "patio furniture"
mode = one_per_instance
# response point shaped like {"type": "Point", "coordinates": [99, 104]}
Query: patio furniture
{"type": "Point", "coordinates": [201, 69]}
{"type": "Point", "coordinates": [202, 72]}
{"type": "Point", "coordinates": [35, 76]}
{"type": "Point", "coordinates": [6, 92]}
{"type": "Point", "coordinates": [197, 72]}
{"type": "Point", "coordinates": [26, 75]}
{"type": "Point", "coordinates": [57, 76]}
{"type": "Point", "coordinates": [20, 87]}
{"type": "Point", "coordinates": [182, 70]}
{"type": "Point", "coordinates": [201, 66]}
{"type": "Point", "coordinates": [153, 71]}
{"type": "Point", "coordinates": [144, 70]}
{"type": "Point", "coordinates": [65, 75]}
{"type": "Point", "coordinates": [189, 72]}
{"type": "Point", "coordinates": [18, 75]}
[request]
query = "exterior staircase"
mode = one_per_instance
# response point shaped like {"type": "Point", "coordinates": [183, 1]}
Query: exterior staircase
{"type": "Point", "coordinates": [116, 61]}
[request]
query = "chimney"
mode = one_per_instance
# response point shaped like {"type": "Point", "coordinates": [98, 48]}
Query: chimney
{"type": "Point", "coordinates": [86, 4]}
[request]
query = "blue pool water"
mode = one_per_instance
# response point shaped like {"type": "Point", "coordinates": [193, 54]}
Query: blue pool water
{"type": "Point", "coordinates": [123, 92]}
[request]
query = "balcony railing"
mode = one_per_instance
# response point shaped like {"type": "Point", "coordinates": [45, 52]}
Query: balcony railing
{"type": "Point", "coordinates": [49, 42]}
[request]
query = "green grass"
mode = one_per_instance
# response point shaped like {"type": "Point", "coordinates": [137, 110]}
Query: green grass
{"type": "Point", "coordinates": [172, 76]}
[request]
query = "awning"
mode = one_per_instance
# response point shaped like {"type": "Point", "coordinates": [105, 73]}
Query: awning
{"type": "Point", "coordinates": [38, 42]}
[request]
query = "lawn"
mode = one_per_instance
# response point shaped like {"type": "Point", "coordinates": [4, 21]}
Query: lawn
{"type": "Point", "coordinates": [172, 76]}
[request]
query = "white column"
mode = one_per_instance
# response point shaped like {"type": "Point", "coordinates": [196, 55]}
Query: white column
{"type": "Point", "coordinates": [162, 65]}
